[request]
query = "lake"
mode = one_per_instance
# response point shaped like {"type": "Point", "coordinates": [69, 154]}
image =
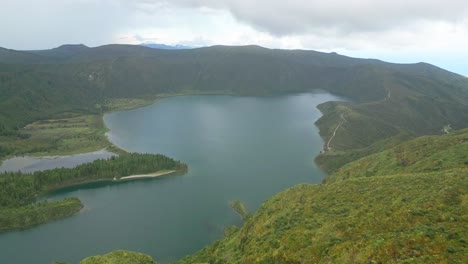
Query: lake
{"type": "Point", "coordinates": [237, 148]}
{"type": "Point", "coordinates": [30, 164]}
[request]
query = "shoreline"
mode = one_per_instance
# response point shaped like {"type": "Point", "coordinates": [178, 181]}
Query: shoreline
{"type": "Point", "coordinates": [108, 145]}
{"type": "Point", "coordinates": [145, 176]}
{"type": "Point", "coordinates": [114, 180]}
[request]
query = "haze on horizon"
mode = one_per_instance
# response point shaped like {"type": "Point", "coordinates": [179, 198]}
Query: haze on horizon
{"type": "Point", "coordinates": [397, 31]}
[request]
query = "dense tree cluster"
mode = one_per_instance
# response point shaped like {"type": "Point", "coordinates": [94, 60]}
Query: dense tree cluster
{"type": "Point", "coordinates": [39, 213]}
{"type": "Point", "coordinates": [19, 189]}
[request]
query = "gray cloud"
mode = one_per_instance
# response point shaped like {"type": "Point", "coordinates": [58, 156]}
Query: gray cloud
{"type": "Point", "coordinates": [324, 24]}
{"type": "Point", "coordinates": [320, 16]}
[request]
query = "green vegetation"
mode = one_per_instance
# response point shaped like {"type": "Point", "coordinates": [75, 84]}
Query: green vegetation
{"type": "Point", "coordinates": [229, 230]}
{"type": "Point", "coordinates": [391, 102]}
{"type": "Point", "coordinates": [19, 191]}
{"type": "Point", "coordinates": [41, 84]}
{"type": "Point", "coordinates": [395, 219]}
{"type": "Point", "coordinates": [64, 136]}
{"type": "Point", "coordinates": [118, 104]}
{"type": "Point", "coordinates": [367, 128]}
{"type": "Point", "coordinates": [35, 214]}
{"type": "Point", "coordinates": [330, 161]}
{"type": "Point", "coordinates": [120, 257]}
{"type": "Point", "coordinates": [424, 154]}
{"type": "Point", "coordinates": [415, 211]}
{"type": "Point", "coordinates": [241, 209]}
{"type": "Point", "coordinates": [407, 204]}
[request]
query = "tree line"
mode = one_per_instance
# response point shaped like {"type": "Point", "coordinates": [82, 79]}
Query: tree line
{"type": "Point", "coordinates": [20, 189]}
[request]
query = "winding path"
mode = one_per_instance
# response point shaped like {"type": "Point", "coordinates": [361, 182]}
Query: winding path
{"type": "Point", "coordinates": [343, 120]}
{"type": "Point", "coordinates": [334, 132]}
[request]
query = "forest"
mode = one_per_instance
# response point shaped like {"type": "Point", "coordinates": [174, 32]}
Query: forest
{"type": "Point", "coordinates": [19, 191]}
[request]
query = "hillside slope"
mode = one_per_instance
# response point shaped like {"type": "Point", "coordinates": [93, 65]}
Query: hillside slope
{"type": "Point", "coordinates": [369, 220]}
{"type": "Point", "coordinates": [424, 154]}
{"type": "Point", "coordinates": [418, 214]}
{"type": "Point", "coordinates": [120, 257]}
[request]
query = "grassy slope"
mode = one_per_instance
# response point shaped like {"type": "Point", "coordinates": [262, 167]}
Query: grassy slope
{"type": "Point", "coordinates": [415, 217]}
{"type": "Point", "coordinates": [418, 214]}
{"type": "Point", "coordinates": [64, 136]}
{"type": "Point", "coordinates": [414, 108]}
{"type": "Point", "coordinates": [424, 154]}
{"type": "Point", "coordinates": [120, 257]}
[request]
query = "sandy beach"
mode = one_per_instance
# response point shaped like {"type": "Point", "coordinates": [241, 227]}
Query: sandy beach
{"type": "Point", "coordinates": [151, 175]}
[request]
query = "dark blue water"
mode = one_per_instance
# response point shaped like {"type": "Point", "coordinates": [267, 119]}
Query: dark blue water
{"type": "Point", "coordinates": [237, 148]}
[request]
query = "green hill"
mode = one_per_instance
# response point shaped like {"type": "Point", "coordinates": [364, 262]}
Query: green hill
{"type": "Point", "coordinates": [418, 214]}
{"type": "Point", "coordinates": [424, 154]}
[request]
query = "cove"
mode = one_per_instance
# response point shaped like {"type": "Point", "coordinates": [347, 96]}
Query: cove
{"type": "Point", "coordinates": [237, 148]}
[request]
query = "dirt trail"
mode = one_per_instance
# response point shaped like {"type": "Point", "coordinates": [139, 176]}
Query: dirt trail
{"type": "Point", "coordinates": [342, 121]}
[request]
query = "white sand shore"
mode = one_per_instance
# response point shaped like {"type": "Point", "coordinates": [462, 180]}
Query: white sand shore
{"type": "Point", "coordinates": [151, 175]}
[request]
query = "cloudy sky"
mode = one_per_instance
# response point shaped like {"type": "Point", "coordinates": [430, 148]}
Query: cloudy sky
{"type": "Point", "coordinates": [433, 31]}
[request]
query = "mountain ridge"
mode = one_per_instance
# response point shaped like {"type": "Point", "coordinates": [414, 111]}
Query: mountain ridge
{"type": "Point", "coordinates": [388, 99]}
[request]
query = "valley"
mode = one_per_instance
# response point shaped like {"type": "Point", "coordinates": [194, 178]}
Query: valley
{"type": "Point", "coordinates": [378, 138]}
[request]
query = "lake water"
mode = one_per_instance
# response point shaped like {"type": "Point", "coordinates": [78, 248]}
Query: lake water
{"type": "Point", "coordinates": [30, 164]}
{"type": "Point", "coordinates": [237, 148]}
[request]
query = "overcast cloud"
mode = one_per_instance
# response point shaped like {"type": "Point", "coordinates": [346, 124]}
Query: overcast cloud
{"type": "Point", "coordinates": [318, 16]}
{"type": "Point", "coordinates": [400, 30]}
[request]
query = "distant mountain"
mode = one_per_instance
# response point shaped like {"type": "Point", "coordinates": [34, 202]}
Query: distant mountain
{"type": "Point", "coordinates": [164, 46]}
{"type": "Point", "coordinates": [62, 51]}
{"type": "Point", "coordinates": [15, 56]}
